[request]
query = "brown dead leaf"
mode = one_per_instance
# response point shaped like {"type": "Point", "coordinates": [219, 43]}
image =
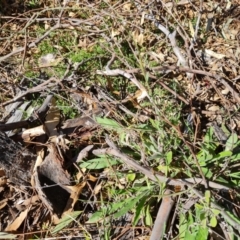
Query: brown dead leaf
{"type": "Point", "coordinates": [91, 178]}
{"type": "Point", "coordinates": [127, 6]}
{"type": "Point", "coordinates": [3, 181]}
{"type": "Point", "coordinates": [114, 32]}
{"type": "Point", "coordinates": [97, 189]}
{"type": "Point", "coordinates": [213, 108]}
{"type": "Point", "coordinates": [157, 56]}
{"type": "Point", "coordinates": [3, 203]}
{"type": "Point", "coordinates": [18, 221]}
{"type": "Point", "coordinates": [2, 173]}
{"type": "Point", "coordinates": [143, 18]}
{"type": "Point", "coordinates": [75, 192]}
{"type": "Point", "coordinates": [138, 37]}
{"type": "Point", "coordinates": [225, 91]}
{"type": "Point", "coordinates": [72, 14]}
{"type": "Point", "coordinates": [32, 200]}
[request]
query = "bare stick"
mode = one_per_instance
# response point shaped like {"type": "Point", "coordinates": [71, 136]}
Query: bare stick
{"type": "Point", "coordinates": [198, 20]}
{"type": "Point", "coordinates": [117, 72]}
{"type": "Point", "coordinates": [154, 175]}
{"type": "Point", "coordinates": [162, 216]}
{"type": "Point", "coordinates": [215, 76]}
{"type": "Point", "coordinates": [172, 38]}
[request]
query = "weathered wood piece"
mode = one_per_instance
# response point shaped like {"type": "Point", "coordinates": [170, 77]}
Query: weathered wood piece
{"type": "Point", "coordinates": [50, 180]}
{"type": "Point", "coordinates": [16, 161]}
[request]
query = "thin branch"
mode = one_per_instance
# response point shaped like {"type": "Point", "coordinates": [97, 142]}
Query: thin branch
{"type": "Point", "coordinates": [198, 20]}
{"type": "Point", "coordinates": [151, 174]}
{"type": "Point", "coordinates": [196, 71]}
{"type": "Point", "coordinates": [117, 72]}
{"type": "Point", "coordinates": [38, 88]}
{"type": "Point", "coordinates": [172, 38]}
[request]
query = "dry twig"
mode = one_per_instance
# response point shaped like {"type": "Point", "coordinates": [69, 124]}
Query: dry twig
{"type": "Point", "coordinates": [162, 216]}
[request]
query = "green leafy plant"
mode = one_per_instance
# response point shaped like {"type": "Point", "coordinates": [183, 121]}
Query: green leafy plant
{"type": "Point", "coordinates": [65, 221]}
{"type": "Point", "coordinates": [138, 204]}
{"type": "Point", "coordinates": [213, 162]}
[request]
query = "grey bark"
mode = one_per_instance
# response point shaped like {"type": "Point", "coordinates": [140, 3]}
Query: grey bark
{"type": "Point", "coordinates": [16, 161]}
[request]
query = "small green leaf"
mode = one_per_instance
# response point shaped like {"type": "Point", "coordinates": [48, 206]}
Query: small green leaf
{"type": "Point", "coordinates": [191, 230]}
{"type": "Point", "coordinates": [115, 206]}
{"type": "Point", "coordinates": [148, 217]}
{"type": "Point", "coordinates": [231, 142]}
{"type": "Point", "coordinates": [202, 233]}
{"type": "Point", "coordinates": [207, 196]}
{"type": "Point", "coordinates": [96, 217]}
{"type": "Point", "coordinates": [169, 157]}
{"type": "Point", "coordinates": [209, 135]}
{"type": "Point", "coordinates": [129, 204]}
{"type": "Point", "coordinates": [207, 172]}
{"type": "Point", "coordinates": [139, 208]}
{"type": "Point", "coordinates": [108, 123]}
{"type": "Point", "coordinates": [4, 235]}
{"type": "Point", "coordinates": [131, 177]}
{"type": "Point", "coordinates": [155, 123]}
{"type": "Point", "coordinates": [199, 207]}
{"type": "Point", "coordinates": [225, 154]}
{"type": "Point", "coordinates": [215, 211]}
{"type": "Point", "coordinates": [99, 163]}
{"type": "Point", "coordinates": [67, 219]}
{"type": "Point", "coordinates": [213, 221]}
{"type": "Point", "coordinates": [183, 225]}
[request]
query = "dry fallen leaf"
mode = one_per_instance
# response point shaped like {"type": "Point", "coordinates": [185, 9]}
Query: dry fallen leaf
{"type": "Point", "coordinates": [3, 181]}
{"type": "Point", "coordinates": [138, 37]}
{"type": "Point", "coordinates": [97, 189]}
{"type": "Point", "coordinates": [18, 221]}
{"type": "Point", "coordinates": [127, 6]}
{"type": "Point", "coordinates": [75, 192]}
{"type": "Point", "coordinates": [3, 203]}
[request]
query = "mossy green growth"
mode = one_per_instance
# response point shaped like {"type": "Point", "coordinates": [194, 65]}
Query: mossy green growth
{"type": "Point", "coordinates": [84, 54]}
{"type": "Point", "coordinates": [67, 110]}
{"type": "Point", "coordinates": [46, 47]}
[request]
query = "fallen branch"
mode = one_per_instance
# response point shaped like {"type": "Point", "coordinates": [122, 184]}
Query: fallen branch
{"type": "Point", "coordinates": [190, 182]}
{"type": "Point", "coordinates": [151, 174]}
{"type": "Point", "coordinates": [162, 216]}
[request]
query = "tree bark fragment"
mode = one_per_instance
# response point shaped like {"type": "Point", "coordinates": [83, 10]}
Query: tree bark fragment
{"type": "Point", "coordinates": [16, 161]}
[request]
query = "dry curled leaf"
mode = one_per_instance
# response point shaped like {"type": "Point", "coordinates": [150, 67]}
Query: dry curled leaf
{"type": "Point", "coordinates": [18, 221]}
{"type": "Point", "coordinates": [50, 179]}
